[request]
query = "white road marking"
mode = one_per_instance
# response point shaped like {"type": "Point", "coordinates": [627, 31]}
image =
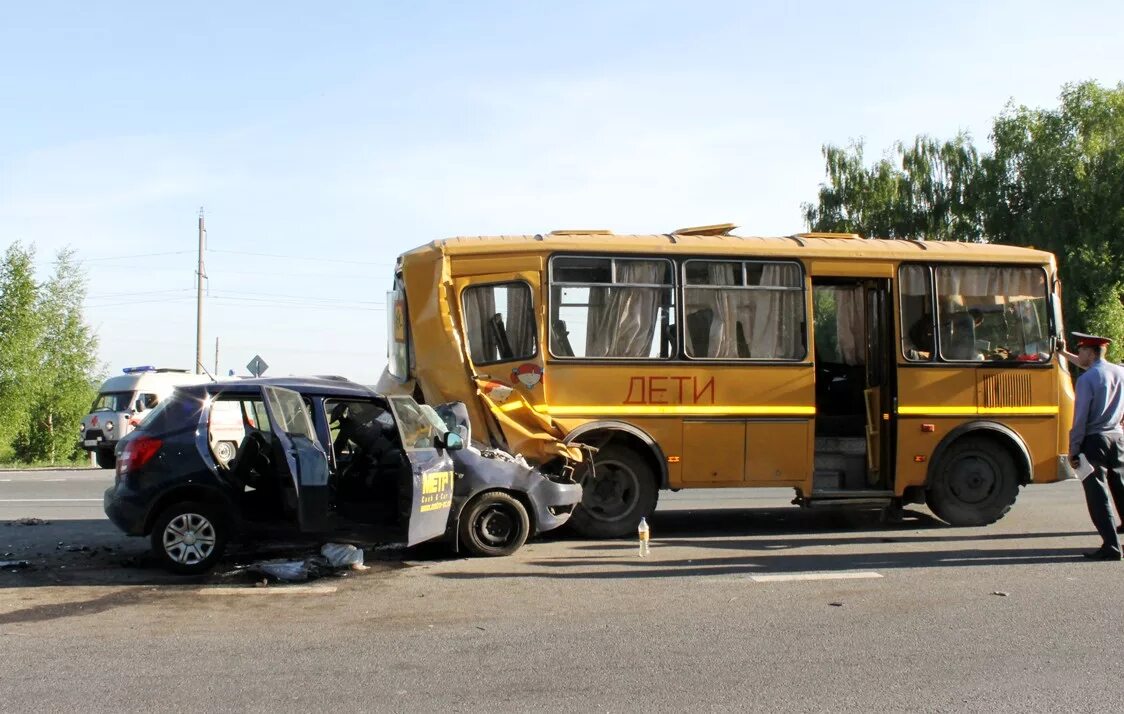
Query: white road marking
{"type": "Point", "coordinates": [49, 500]}
{"type": "Point", "coordinates": [788, 577]}
{"type": "Point", "coordinates": [273, 590]}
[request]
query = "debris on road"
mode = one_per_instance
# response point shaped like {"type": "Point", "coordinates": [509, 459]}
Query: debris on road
{"type": "Point", "coordinates": [836, 604]}
{"type": "Point", "coordinates": [1000, 593]}
{"type": "Point", "coordinates": [14, 565]}
{"type": "Point", "coordinates": [341, 555]}
{"type": "Point", "coordinates": [32, 522]}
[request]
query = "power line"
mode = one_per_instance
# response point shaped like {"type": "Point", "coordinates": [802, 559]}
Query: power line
{"type": "Point", "coordinates": [300, 257]}
{"type": "Point", "coordinates": [239, 293]}
{"type": "Point", "coordinates": [131, 256]}
{"type": "Point", "coordinates": [238, 302]}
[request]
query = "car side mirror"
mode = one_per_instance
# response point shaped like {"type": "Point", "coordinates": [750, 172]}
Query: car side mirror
{"type": "Point", "coordinates": [453, 442]}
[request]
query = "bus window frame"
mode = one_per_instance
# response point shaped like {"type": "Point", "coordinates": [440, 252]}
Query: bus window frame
{"type": "Point", "coordinates": [803, 324]}
{"type": "Point", "coordinates": [398, 285]}
{"type": "Point", "coordinates": [534, 322]}
{"type": "Point", "coordinates": [612, 258]}
{"type": "Point", "coordinates": [939, 359]}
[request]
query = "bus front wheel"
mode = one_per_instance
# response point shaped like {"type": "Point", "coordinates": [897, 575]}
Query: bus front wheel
{"type": "Point", "coordinates": [620, 493]}
{"type": "Point", "coordinates": [975, 484]}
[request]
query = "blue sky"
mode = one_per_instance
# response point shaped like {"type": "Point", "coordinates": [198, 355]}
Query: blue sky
{"type": "Point", "coordinates": [324, 141]}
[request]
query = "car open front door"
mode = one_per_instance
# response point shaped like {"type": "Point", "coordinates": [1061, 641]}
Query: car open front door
{"type": "Point", "coordinates": [304, 457]}
{"type": "Point", "coordinates": [431, 468]}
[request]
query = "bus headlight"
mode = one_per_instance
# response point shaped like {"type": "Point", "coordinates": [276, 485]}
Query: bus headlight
{"type": "Point", "coordinates": [109, 426]}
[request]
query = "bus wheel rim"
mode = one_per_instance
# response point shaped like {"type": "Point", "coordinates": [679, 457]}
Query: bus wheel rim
{"type": "Point", "coordinates": [613, 493]}
{"type": "Point", "coordinates": [973, 479]}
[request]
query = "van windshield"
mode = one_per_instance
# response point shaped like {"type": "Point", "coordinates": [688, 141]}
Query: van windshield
{"type": "Point", "coordinates": [113, 402]}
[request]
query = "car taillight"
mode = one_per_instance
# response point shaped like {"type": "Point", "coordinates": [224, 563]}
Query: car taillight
{"type": "Point", "coordinates": [138, 452]}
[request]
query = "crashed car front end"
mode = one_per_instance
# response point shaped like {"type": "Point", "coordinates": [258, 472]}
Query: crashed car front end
{"type": "Point", "coordinates": [550, 501]}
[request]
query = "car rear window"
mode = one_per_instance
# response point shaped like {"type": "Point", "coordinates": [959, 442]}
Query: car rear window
{"type": "Point", "coordinates": [177, 412]}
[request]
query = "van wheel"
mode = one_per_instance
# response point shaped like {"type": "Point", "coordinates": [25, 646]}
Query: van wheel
{"type": "Point", "coordinates": [225, 451]}
{"type": "Point", "coordinates": [975, 484]}
{"type": "Point", "coordinates": [188, 538]}
{"type": "Point", "coordinates": [106, 458]}
{"type": "Point", "coordinates": [622, 491]}
{"type": "Point", "coordinates": [493, 524]}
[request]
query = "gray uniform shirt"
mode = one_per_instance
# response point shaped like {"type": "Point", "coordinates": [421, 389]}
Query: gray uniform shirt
{"type": "Point", "coordinates": [1100, 403]}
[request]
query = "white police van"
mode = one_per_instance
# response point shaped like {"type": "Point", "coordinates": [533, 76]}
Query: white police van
{"type": "Point", "coordinates": [123, 401]}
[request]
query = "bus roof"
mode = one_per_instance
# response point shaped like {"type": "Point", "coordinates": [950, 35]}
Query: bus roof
{"type": "Point", "coordinates": [817, 245]}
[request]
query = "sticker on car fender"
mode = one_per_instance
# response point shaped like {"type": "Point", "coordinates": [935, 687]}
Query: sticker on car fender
{"type": "Point", "coordinates": [437, 491]}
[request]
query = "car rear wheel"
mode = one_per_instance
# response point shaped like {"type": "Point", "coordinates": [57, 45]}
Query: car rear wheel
{"type": "Point", "coordinates": [105, 458]}
{"type": "Point", "coordinates": [494, 524]}
{"type": "Point", "coordinates": [189, 538]}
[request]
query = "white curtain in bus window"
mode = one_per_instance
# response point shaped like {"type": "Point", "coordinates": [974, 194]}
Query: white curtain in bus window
{"type": "Point", "coordinates": [499, 322]}
{"type": "Point", "coordinates": [916, 292]}
{"type": "Point", "coordinates": [611, 307]}
{"type": "Point", "coordinates": [744, 310]}
{"type": "Point", "coordinates": [992, 313]}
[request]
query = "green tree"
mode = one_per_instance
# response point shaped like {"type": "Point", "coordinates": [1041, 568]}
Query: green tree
{"type": "Point", "coordinates": [923, 190]}
{"type": "Point", "coordinates": [1053, 179]}
{"type": "Point", "coordinates": [20, 329]}
{"type": "Point", "coordinates": [67, 359]}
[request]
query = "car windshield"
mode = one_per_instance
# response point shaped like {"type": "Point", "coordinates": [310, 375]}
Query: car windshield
{"type": "Point", "coordinates": [418, 423]}
{"type": "Point", "coordinates": [113, 402]}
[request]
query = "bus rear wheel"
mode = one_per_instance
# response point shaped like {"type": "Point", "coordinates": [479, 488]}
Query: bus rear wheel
{"type": "Point", "coordinates": [975, 484]}
{"type": "Point", "coordinates": [620, 493]}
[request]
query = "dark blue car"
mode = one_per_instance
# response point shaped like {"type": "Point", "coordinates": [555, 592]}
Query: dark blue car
{"type": "Point", "coordinates": [319, 455]}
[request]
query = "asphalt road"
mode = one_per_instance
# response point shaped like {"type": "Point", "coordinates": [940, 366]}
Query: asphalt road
{"type": "Point", "coordinates": [731, 611]}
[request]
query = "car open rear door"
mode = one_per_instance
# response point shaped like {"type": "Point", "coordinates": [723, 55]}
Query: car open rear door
{"type": "Point", "coordinates": [432, 499]}
{"type": "Point", "coordinates": [304, 457]}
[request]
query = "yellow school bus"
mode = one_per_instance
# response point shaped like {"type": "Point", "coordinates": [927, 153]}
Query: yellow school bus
{"type": "Point", "coordinates": [859, 372]}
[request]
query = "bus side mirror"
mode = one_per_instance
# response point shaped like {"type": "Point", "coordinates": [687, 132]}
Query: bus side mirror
{"type": "Point", "coordinates": [139, 405]}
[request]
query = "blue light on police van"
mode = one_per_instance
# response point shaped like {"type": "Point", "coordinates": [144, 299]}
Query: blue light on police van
{"type": "Point", "coordinates": [142, 368]}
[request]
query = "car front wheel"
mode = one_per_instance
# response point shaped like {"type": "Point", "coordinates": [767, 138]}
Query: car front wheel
{"type": "Point", "coordinates": [188, 538]}
{"type": "Point", "coordinates": [494, 524]}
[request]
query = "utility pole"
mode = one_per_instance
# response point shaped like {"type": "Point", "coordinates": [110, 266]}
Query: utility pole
{"type": "Point", "coordinates": [199, 275]}
{"type": "Point", "coordinates": [216, 372]}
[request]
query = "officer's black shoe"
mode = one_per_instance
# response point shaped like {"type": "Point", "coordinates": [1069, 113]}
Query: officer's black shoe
{"type": "Point", "coordinates": [1103, 554]}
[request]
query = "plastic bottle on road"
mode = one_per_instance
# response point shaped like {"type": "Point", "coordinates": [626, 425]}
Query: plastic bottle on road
{"type": "Point", "coordinates": [642, 531]}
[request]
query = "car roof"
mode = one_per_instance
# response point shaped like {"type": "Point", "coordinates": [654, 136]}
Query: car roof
{"type": "Point", "coordinates": [321, 386]}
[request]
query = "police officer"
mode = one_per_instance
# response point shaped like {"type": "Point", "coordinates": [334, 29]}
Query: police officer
{"type": "Point", "coordinates": [1097, 435]}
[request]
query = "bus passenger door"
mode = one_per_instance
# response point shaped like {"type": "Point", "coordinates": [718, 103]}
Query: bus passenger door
{"type": "Point", "coordinates": [500, 314]}
{"type": "Point", "coordinates": [854, 384]}
{"type": "Point", "coordinates": [878, 394]}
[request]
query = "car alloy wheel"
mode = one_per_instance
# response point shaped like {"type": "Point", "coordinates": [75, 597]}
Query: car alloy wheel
{"type": "Point", "coordinates": [189, 539]}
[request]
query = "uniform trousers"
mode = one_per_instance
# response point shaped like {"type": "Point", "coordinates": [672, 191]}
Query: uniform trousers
{"type": "Point", "coordinates": [1105, 453]}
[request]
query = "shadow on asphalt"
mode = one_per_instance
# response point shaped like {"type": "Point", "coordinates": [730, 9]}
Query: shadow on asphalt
{"type": "Point", "coordinates": [93, 552]}
{"type": "Point", "coordinates": [760, 536]}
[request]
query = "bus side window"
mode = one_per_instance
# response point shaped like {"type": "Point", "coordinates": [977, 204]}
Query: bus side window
{"type": "Point", "coordinates": [499, 322]}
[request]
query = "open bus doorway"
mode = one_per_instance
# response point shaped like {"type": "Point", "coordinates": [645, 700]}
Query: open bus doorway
{"type": "Point", "coordinates": [854, 358]}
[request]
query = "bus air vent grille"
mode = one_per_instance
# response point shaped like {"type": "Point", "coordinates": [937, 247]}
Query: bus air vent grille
{"type": "Point", "coordinates": [1005, 390]}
